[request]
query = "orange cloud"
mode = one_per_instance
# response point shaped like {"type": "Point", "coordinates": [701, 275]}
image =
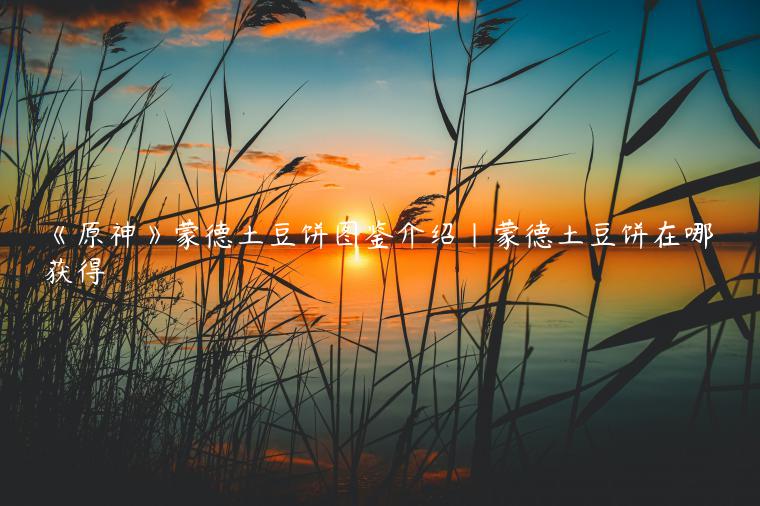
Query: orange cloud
{"type": "Point", "coordinates": [323, 28]}
{"type": "Point", "coordinates": [199, 165]}
{"type": "Point", "coordinates": [259, 156]}
{"type": "Point", "coordinates": [342, 18]}
{"type": "Point", "coordinates": [410, 16]}
{"type": "Point", "coordinates": [198, 39]}
{"type": "Point", "coordinates": [160, 15]}
{"type": "Point", "coordinates": [71, 35]}
{"type": "Point", "coordinates": [306, 169]}
{"type": "Point", "coordinates": [273, 160]}
{"type": "Point", "coordinates": [207, 166]}
{"type": "Point", "coordinates": [338, 161]}
{"type": "Point", "coordinates": [332, 186]}
{"type": "Point", "coordinates": [163, 149]}
{"type": "Point", "coordinates": [135, 89]}
{"type": "Point", "coordinates": [202, 21]}
{"type": "Point", "coordinates": [412, 158]}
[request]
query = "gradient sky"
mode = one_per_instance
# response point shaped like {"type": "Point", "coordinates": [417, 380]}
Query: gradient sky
{"type": "Point", "coordinates": [367, 118]}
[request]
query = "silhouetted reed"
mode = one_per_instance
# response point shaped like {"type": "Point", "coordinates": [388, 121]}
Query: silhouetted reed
{"type": "Point", "coordinates": [194, 387]}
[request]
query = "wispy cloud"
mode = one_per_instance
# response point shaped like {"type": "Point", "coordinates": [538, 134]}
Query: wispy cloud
{"type": "Point", "coordinates": [410, 16]}
{"type": "Point", "coordinates": [72, 34]}
{"type": "Point", "coordinates": [332, 186]}
{"type": "Point", "coordinates": [207, 166]}
{"type": "Point", "coordinates": [306, 168]}
{"type": "Point", "coordinates": [188, 38]}
{"type": "Point", "coordinates": [309, 166]}
{"type": "Point", "coordinates": [406, 159]}
{"type": "Point", "coordinates": [135, 89]}
{"type": "Point", "coordinates": [327, 26]}
{"type": "Point", "coordinates": [270, 160]}
{"type": "Point", "coordinates": [338, 161]}
{"type": "Point", "coordinates": [263, 156]}
{"type": "Point", "coordinates": [165, 149]}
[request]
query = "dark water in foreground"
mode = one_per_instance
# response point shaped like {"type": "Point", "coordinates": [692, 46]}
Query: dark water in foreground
{"type": "Point", "coordinates": [632, 432]}
{"type": "Point", "coordinates": [638, 285]}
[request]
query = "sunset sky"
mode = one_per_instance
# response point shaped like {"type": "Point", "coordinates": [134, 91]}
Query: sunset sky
{"type": "Point", "coordinates": [367, 119]}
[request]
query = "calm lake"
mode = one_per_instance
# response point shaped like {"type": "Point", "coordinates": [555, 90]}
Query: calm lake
{"type": "Point", "coordinates": [638, 285]}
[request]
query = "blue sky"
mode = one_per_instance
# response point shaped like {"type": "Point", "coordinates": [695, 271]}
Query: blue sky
{"type": "Point", "coordinates": [369, 102]}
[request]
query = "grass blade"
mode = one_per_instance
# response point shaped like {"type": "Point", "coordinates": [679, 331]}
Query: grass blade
{"type": "Point", "coordinates": [596, 274]}
{"type": "Point", "coordinates": [527, 130]}
{"type": "Point", "coordinates": [290, 285]}
{"type": "Point", "coordinates": [658, 120]}
{"type": "Point", "coordinates": [260, 130]}
{"type": "Point", "coordinates": [740, 119]}
{"type": "Point", "coordinates": [227, 115]}
{"type": "Point", "coordinates": [691, 316]}
{"type": "Point", "coordinates": [535, 64]}
{"type": "Point", "coordinates": [697, 186]}
{"type": "Point", "coordinates": [446, 121]}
